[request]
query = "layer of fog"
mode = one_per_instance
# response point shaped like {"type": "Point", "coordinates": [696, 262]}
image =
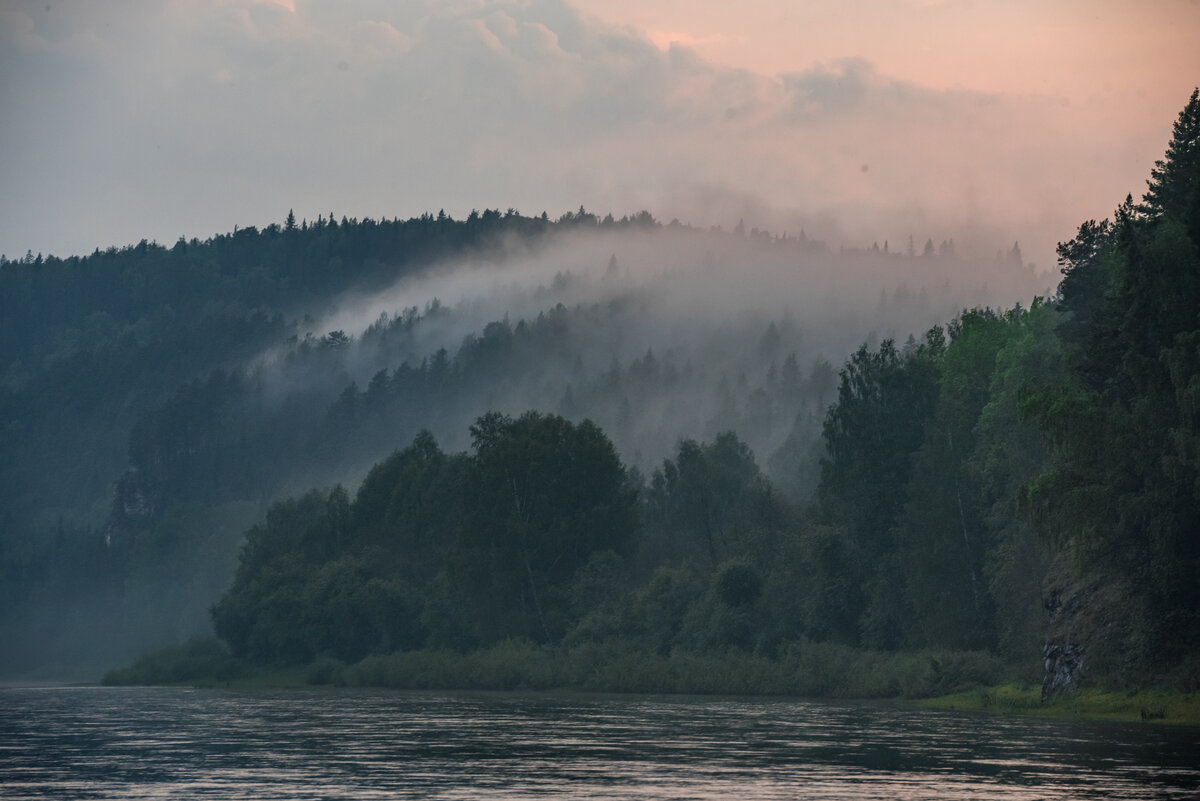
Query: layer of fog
{"type": "Point", "coordinates": [655, 334]}
{"type": "Point", "coordinates": [367, 107]}
{"type": "Point", "coordinates": [664, 333]}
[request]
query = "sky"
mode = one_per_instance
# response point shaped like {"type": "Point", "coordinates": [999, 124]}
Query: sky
{"type": "Point", "coordinates": [858, 122]}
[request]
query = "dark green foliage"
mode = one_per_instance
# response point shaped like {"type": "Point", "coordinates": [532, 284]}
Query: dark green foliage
{"type": "Point", "coordinates": [326, 670]}
{"type": "Point", "coordinates": [943, 541]}
{"type": "Point", "coordinates": [662, 603]}
{"type": "Point", "coordinates": [542, 495]}
{"type": "Point", "coordinates": [599, 599]}
{"type": "Point", "coordinates": [1013, 479]}
{"type": "Point", "coordinates": [437, 546]}
{"type": "Point", "coordinates": [872, 430]}
{"type": "Point", "coordinates": [738, 584]}
{"type": "Point", "coordinates": [201, 659]}
{"type": "Point", "coordinates": [1009, 452]}
{"type": "Point", "coordinates": [871, 434]}
{"type": "Point", "coordinates": [408, 509]}
{"type": "Point", "coordinates": [1122, 487]}
{"type": "Point", "coordinates": [709, 502]}
{"type": "Point", "coordinates": [188, 377]}
{"type": "Point", "coordinates": [804, 668]}
{"type": "Point", "coordinates": [1173, 189]}
{"type": "Point", "coordinates": [936, 489]}
{"type": "Point", "coordinates": [297, 595]}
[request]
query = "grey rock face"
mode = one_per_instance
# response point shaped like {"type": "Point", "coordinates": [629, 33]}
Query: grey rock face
{"type": "Point", "coordinates": [1063, 664]}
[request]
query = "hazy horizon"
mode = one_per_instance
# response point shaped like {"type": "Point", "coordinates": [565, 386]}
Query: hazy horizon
{"type": "Point", "coordinates": [931, 119]}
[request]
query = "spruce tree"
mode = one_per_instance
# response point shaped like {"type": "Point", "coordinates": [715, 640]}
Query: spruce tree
{"type": "Point", "coordinates": [1174, 184]}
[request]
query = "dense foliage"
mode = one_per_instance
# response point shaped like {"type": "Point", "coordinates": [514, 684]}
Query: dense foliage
{"type": "Point", "coordinates": [1008, 465]}
{"type": "Point", "coordinates": [1122, 490]}
{"type": "Point", "coordinates": [135, 355]}
{"type": "Point", "coordinates": [157, 400]}
{"type": "Point", "coordinates": [448, 550]}
{"type": "Point", "coordinates": [1012, 483]}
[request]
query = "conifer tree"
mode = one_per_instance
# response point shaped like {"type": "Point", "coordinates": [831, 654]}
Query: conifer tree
{"type": "Point", "coordinates": [1174, 184]}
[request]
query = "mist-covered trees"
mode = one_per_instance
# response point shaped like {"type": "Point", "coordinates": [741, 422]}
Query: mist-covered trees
{"type": "Point", "coordinates": [1010, 479]}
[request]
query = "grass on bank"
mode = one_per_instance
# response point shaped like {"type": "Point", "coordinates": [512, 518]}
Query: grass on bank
{"type": "Point", "coordinates": [801, 668]}
{"type": "Point", "coordinates": [1152, 705]}
{"type": "Point", "coordinates": [959, 680]}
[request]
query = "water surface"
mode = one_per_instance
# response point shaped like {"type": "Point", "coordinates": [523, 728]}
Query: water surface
{"type": "Point", "coordinates": [152, 743]}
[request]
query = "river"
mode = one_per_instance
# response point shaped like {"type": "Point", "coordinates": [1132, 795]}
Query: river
{"type": "Point", "coordinates": [167, 743]}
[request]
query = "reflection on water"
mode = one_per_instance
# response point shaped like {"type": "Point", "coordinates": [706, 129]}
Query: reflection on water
{"type": "Point", "coordinates": [132, 743]}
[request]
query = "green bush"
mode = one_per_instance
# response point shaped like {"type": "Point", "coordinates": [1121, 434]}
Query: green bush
{"type": "Point", "coordinates": [326, 670]}
{"type": "Point", "coordinates": [199, 660]}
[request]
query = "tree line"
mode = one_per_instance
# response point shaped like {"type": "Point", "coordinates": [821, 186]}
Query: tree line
{"type": "Point", "coordinates": [1012, 479]}
{"type": "Point", "coordinates": [1008, 480]}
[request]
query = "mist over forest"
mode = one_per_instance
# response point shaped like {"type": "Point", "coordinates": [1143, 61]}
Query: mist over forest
{"type": "Point", "coordinates": [161, 398]}
{"type": "Point", "coordinates": [510, 451]}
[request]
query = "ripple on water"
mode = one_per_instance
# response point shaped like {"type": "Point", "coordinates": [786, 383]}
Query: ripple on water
{"type": "Point", "coordinates": [158, 743]}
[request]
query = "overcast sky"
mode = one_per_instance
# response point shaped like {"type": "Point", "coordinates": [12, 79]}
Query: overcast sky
{"type": "Point", "coordinates": [859, 121]}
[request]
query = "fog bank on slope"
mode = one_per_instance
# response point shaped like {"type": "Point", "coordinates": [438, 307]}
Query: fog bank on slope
{"type": "Point", "coordinates": [657, 333]}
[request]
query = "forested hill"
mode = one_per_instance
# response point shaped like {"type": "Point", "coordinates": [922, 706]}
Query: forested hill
{"type": "Point", "coordinates": [1018, 489]}
{"type": "Point", "coordinates": [1024, 484]}
{"type": "Point", "coordinates": [157, 399]}
{"type": "Point", "coordinates": [613, 435]}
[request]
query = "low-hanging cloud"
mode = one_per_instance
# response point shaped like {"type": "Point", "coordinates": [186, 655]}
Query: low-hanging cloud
{"type": "Point", "coordinates": [719, 311]}
{"type": "Point", "coordinates": [187, 118]}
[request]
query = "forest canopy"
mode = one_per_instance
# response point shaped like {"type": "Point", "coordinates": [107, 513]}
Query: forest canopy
{"type": "Point", "coordinates": [1020, 482]}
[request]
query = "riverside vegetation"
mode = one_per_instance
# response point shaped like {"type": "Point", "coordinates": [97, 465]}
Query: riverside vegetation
{"type": "Point", "coordinates": [1012, 489]}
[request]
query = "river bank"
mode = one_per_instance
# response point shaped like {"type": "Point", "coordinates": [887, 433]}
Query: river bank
{"type": "Point", "coordinates": [800, 669]}
{"type": "Point", "coordinates": [1148, 705]}
{"type": "Point", "coordinates": [962, 681]}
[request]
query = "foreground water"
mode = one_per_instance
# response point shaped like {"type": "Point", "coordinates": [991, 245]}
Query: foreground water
{"type": "Point", "coordinates": [131, 743]}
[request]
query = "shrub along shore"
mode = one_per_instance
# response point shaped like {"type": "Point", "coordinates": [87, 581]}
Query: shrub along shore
{"type": "Point", "coordinates": [957, 680]}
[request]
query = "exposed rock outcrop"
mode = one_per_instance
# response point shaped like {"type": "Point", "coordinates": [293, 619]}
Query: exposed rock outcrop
{"type": "Point", "coordinates": [1063, 665]}
{"type": "Point", "coordinates": [1088, 627]}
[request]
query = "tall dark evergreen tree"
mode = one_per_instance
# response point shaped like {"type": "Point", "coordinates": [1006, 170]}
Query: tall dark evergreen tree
{"type": "Point", "coordinates": [1123, 489]}
{"type": "Point", "coordinates": [1174, 185]}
